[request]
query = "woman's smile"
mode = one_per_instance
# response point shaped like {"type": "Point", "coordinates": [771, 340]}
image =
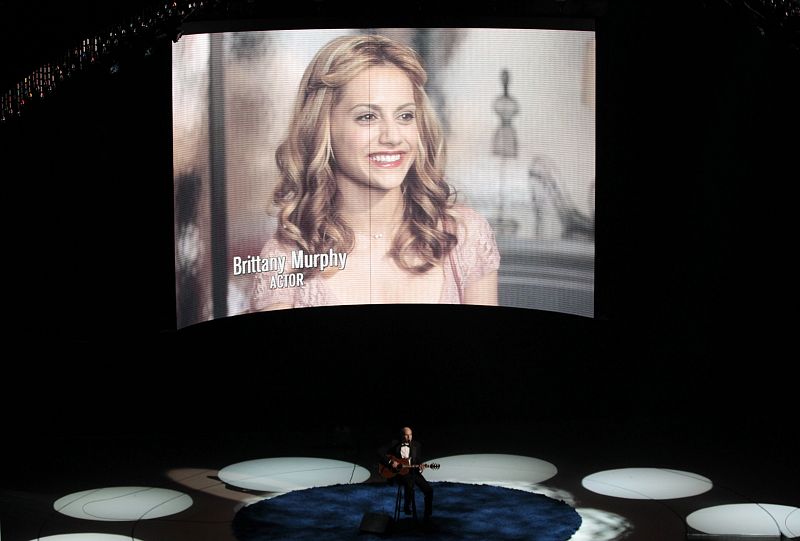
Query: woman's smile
{"type": "Point", "coordinates": [387, 160]}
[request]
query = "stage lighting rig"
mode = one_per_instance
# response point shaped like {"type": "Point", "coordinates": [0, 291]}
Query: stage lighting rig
{"type": "Point", "coordinates": [107, 49]}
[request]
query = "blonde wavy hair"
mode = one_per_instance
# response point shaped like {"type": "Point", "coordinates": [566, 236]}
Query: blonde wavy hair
{"type": "Point", "coordinates": [307, 194]}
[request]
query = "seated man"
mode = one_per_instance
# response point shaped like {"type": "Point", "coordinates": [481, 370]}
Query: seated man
{"type": "Point", "coordinates": [408, 448]}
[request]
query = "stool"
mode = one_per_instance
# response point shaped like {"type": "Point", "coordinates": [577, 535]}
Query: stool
{"type": "Point", "coordinates": [398, 502]}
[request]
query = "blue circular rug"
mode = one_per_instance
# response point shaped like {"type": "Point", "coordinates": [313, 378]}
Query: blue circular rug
{"type": "Point", "coordinates": [460, 511]}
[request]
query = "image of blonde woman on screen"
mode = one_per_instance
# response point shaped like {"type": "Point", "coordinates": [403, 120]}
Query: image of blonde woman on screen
{"type": "Point", "coordinates": [365, 214]}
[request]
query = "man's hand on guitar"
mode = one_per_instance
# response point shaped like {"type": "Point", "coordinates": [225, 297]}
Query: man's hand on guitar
{"type": "Point", "coordinates": [422, 467]}
{"type": "Point", "coordinates": [395, 464]}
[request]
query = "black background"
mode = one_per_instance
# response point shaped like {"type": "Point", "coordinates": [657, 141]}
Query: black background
{"type": "Point", "coordinates": [695, 289]}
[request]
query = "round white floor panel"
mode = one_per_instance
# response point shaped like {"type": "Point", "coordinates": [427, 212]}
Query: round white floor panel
{"type": "Point", "coordinates": [123, 503]}
{"type": "Point", "coordinates": [285, 474]}
{"type": "Point", "coordinates": [647, 483]}
{"type": "Point", "coordinates": [86, 537]}
{"type": "Point", "coordinates": [491, 468]}
{"type": "Point", "coordinates": [792, 523]}
{"type": "Point", "coordinates": [747, 519]}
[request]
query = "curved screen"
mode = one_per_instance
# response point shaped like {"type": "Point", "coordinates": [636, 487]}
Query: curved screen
{"type": "Point", "coordinates": [351, 166]}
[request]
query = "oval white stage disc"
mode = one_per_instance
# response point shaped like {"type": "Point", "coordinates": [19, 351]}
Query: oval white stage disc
{"type": "Point", "coordinates": [747, 519]}
{"type": "Point", "coordinates": [123, 503]}
{"type": "Point", "coordinates": [285, 474]}
{"type": "Point", "coordinates": [491, 468]}
{"type": "Point", "coordinates": [647, 483]}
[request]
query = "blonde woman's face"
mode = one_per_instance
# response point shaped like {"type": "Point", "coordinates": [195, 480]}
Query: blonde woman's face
{"type": "Point", "coordinates": [374, 129]}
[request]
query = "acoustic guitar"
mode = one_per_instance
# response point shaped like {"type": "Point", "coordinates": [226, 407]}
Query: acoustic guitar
{"type": "Point", "coordinates": [404, 467]}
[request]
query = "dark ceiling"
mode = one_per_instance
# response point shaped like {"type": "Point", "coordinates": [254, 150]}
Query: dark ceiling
{"type": "Point", "coordinates": [33, 33]}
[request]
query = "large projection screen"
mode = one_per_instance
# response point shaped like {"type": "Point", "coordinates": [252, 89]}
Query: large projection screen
{"type": "Point", "coordinates": [516, 116]}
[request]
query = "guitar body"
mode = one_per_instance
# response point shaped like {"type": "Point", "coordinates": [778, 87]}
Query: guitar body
{"type": "Point", "coordinates": [404, 467]}
{"type": "Point", "coordinates": [387, 472]}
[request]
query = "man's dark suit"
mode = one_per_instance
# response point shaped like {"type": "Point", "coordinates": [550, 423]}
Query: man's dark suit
{"type": "Point", "coordinates": [414, 477]}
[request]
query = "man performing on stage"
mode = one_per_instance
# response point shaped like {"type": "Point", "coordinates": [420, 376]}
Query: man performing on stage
{"type": "Point", "coordinates": [410, 451]}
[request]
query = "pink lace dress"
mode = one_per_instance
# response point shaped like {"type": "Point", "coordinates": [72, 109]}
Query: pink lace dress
{"type": "Point", "coordinates": [474, 256]}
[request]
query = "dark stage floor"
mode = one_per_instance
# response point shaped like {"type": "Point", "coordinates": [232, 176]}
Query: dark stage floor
{"type": "Point", "coordinates": [39, 469]}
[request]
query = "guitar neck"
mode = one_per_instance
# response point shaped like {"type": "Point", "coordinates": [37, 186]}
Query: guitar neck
{"type": "Point", "coordinates": [402, 468]}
